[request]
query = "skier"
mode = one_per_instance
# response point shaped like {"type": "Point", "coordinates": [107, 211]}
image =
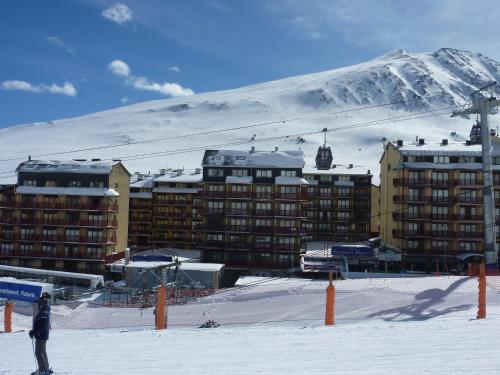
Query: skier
{"type": "Point", "coordinates": [40, 331]}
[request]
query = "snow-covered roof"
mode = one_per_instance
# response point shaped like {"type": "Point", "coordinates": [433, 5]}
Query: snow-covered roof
{"type": "Point", "coordinates": [338, 170]}
{"type": "Point", "coordinates": [96, 192]}
{"type": "Point", "coordinates": [239, 180]}
{"type": "Point", "coordinates": [450, 149]}
{"type": "Point", "coordinates": [144, 183]}
{"type": "Point", "coordinates": [175, 177]}
{"type": "Point", "coordinates": [214, 267]}
{"type": "Point", "coordinates": [66, 166]}
{"type": "Point", "coordinates": [279, 159]}
{"type": "Point", "coordinates": [141, 195]}
{"type": "Point", "coordinates": [285, 180]}
{"type": "Point", "coordinates": [176, 190]}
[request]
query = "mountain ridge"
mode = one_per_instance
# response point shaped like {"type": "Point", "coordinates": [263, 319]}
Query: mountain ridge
{"type": "Point", "coordinates": [397, 84]}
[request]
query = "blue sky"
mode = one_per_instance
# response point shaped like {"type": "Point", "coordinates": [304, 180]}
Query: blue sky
{"type": "Point", "coordinates": [64, 58]}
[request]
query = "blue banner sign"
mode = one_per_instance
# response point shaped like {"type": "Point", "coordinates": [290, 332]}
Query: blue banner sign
{"type": "Point", "coordinates": [19, 291]}
{"type": "Point", "coordinates": [152, 258]}
{"type": "Point", "coordinates": [352, 250]}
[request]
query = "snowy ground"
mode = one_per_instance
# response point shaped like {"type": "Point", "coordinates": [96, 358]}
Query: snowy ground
{"type": "Point", "coordinates": [384, 326]}
{"type": "Point", "coordinates": [455, 346]}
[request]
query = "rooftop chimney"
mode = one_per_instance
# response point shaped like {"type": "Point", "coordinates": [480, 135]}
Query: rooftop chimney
{"type": "Point", "coordinates": [276, 148]}
{"type": "Point", "coordinates": [163, 172]}
{"type": "Point", "coordinates": [399, 143]}
{"type": "Point", "coordinates": [421, 141]}
{"type": "Point", "coordinates": [444, 142]}
{"type": "Point", "coordinates": [252, 150]}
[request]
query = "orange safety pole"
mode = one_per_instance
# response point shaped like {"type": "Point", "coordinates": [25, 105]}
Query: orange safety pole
{"type": "Point", "coordinates": [161, 301]}
{"type": "Point", "coordinates": [7, 317]}
{"type": "Point", "coordinates": [481, 311]}
{"type": "Point", "coordinates": [330, 302]}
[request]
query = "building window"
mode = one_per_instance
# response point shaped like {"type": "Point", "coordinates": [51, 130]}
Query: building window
{"type": "Point", "coordinates": [75, 183]}
{"type": "Point", "coordinates": [467, 246]}
{"type": "Point", "coordinates": [50, 183]}
{"type": "Point", "coordinates": [325, 203]}
{"type": "Point", "coordinates": [467, 178]}
{"type": "Point", "coordinates": [29, 183]}
{"type": "Point", "coordinates": [440, 177]}
{"type": "Point", "coordinates": [288, 173]}
{"type": "Point", "coordinates": [214, 237]}
{"type": "Point", "coordinates": [440, 195]}
{"type": "Point", "coordinates": [265, 173]}
{"type": "Point", "coordinates": [440, 159]}
{"type": "Point", "coordinates": [343, 203]}
{"type": "Point", "coordinates": [344, 178]}
{"type": "Point", "coordinates": [215, 172]}
{"type": "Point", "coordinates": [94, 252]}
{"type": "Point", "coordinates": [412, 245]}
{"type": "Point", "coordinates": [239, 172]}
{"type": "Point", "coordinates": [325, 178]}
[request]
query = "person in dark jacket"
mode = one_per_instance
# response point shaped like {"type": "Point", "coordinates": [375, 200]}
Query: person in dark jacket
{"type": "Point", "coordinates": [40, 331]}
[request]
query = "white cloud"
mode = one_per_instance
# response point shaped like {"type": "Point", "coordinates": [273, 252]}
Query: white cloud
{"type": "Point", "coordinates": [174, 69]}
{"type": "Point", "coordinates": [121, 69]}
{"type": "Point", "coordinates": [124, 100]}
{"type": "Point", "coordinates": [167, 88]}
{"type": "Point", "coordinates": [66, 89]}
{"type": "Point", "coordinates": [55, 41]}
{"type": "Point", "coordinates": [118, 13]}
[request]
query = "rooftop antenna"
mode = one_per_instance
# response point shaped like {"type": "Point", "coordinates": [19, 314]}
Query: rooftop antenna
{"type": "Point", "coordinates": [482, 104]}
{"type": "Point", "coordinates": [325, 130]}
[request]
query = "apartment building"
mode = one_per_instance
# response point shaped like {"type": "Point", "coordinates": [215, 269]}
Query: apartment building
{"type": "Point", "coordinates": [140, 228]}
{"type": "Point", "coordinates": [176, 209]}
{"type": "Point", "coordinates": [65, 215]}
{"type": "Point", "coordinates": [431, 201]}
{"type": "Point", "coordinates": [252, 208]}
{"type": "Point", "coordinates": [338, 204]}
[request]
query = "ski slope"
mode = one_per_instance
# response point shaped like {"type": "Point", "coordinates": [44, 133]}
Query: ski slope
{"type": "Point", "coordinates": [455, 346]}
{"type": "Point", "coordinates": [353, 103]}
{"type": "Point", "coordinates": [419, 326]}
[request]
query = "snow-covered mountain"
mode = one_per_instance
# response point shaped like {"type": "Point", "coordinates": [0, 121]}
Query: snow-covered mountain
{"type": "Point", "coordinates": [172, 133]}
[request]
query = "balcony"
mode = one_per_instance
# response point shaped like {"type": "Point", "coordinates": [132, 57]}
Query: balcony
{"type": "Point", "coordinates": [59, 238]}
{"type": "Point", "coordinates": [113, 207]}
{"type": "Point", "coordinates": [238, 228]}
{"type": "Point", "coordinates": [284, 247]}
{"type": "Point", "coordinates": [238, 212]}
{"type": "Point", "coordinates": [287, 230]}
{"type": "Point", "coordinates": [290, 196]}
{"type": "Point", "coordinates": [411, 181]}
{"type": "Point", "coordinates": [74, 255]}
{"type": "Point", "coordinates": [174, 202]}
{"type": "Point", "coordinates": [239, 245]}
{"type": "Point", "coordinates": [213, 244]}
{"type": "Point", "coordinates": [260, 212]}
{"type": "Point", "coordinates": [214, 212]}
{"type": "Point", "coordinates": [470, 200]}
{"type": "Point", "coordinates": [263, 229]}
{"type": "Point", "coordinates": [213, 194]}
{"type": "Point", "coordinates": [239, 195]}
{"type": "Point", "coordinates": [59, 222]}
{"type": "Point", "coordinates": [140, 206]}
{"type": "Point", "coordinates": [214, 227]}
{"type": "Point", "coordinates": [263, 195]}
{"type": "Point", "coordinates": [473, 182]}
{"type": "Point", "coordinates": [288, 213]}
